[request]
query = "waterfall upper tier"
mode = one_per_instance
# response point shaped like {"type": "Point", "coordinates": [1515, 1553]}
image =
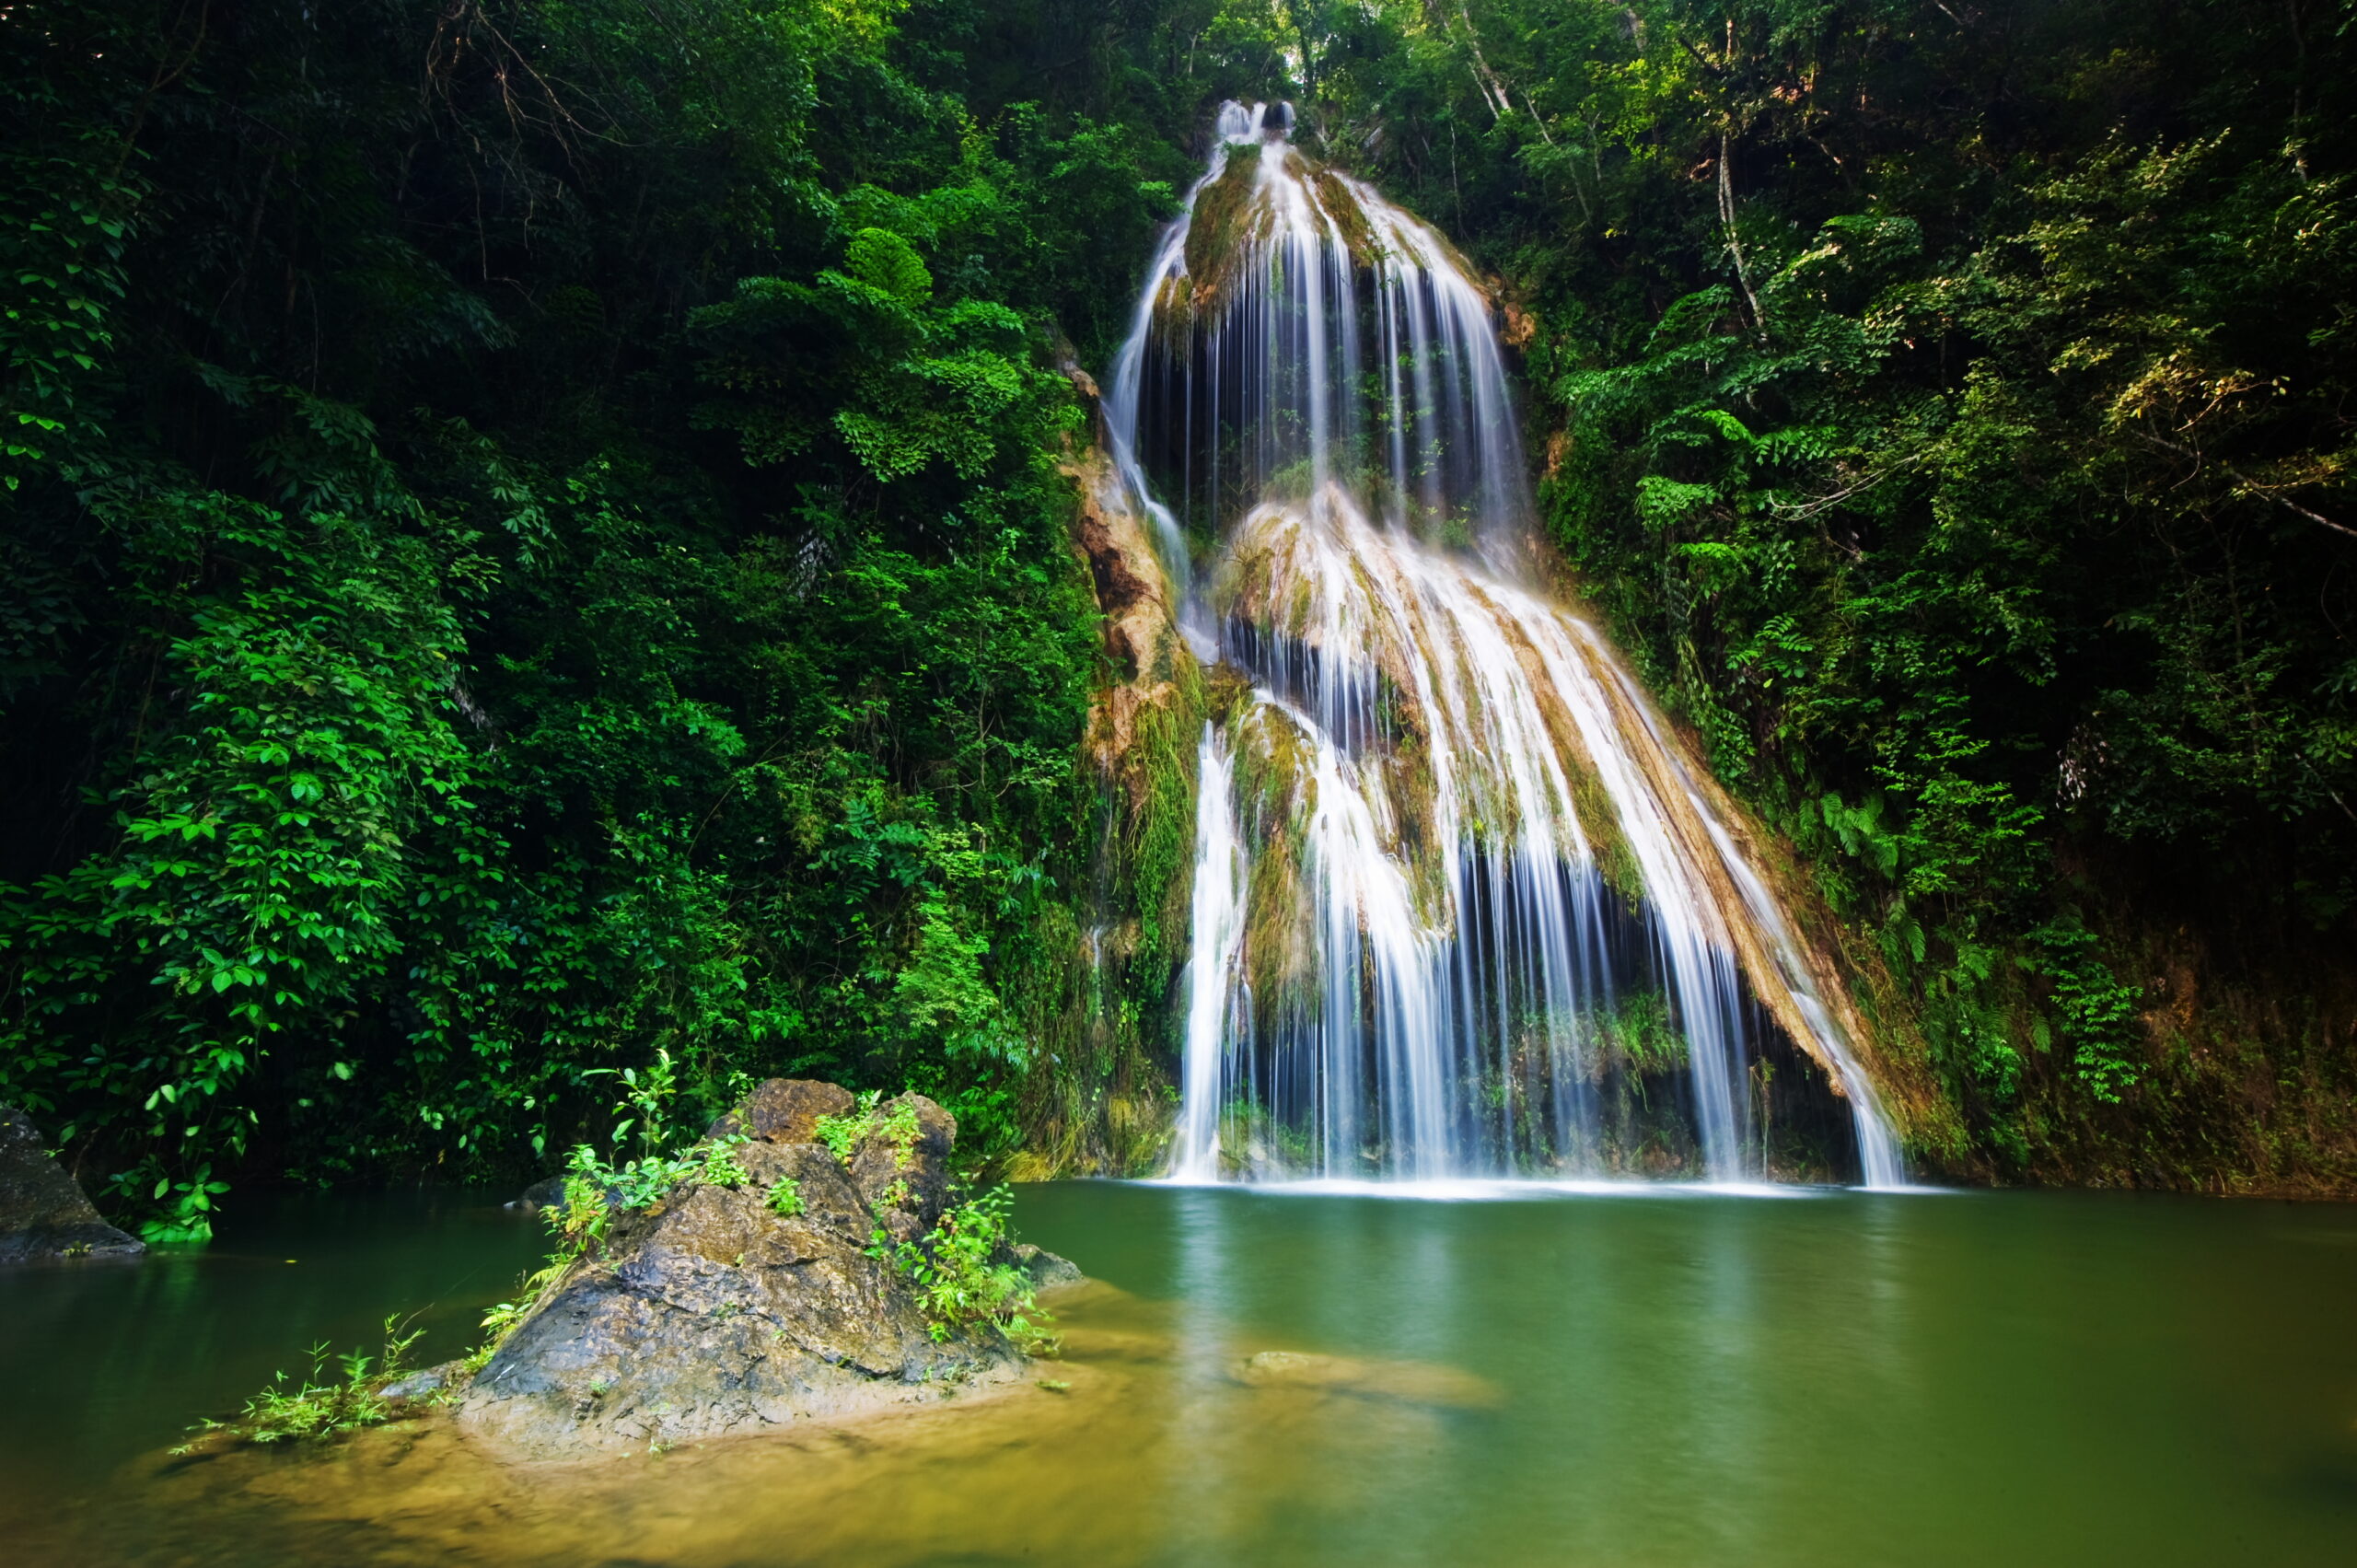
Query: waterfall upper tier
{"type": "Point", "coordinates": [1458, 888]}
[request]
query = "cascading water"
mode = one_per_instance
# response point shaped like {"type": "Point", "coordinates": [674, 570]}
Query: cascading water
{"type": "Point", "coordinates": [1452, 873]}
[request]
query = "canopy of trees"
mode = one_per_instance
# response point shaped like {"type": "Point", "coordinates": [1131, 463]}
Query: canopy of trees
{"type": "Point", "coordinates": [533, 542]}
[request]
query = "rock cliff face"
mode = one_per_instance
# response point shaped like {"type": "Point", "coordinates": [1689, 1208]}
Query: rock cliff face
{"type": "Point", "coordinates": [712, 1314]}
{"type": "Point", "coordinates": [1100, 1101]}
{"type": "Point", "coordinates": [42, 1213]}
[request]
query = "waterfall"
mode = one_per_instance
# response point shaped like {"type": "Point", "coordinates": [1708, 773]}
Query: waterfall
{"type": "Point", "coordinates": [1457, 886]}
{"type": "Point", "coordinates": [1216, 925]}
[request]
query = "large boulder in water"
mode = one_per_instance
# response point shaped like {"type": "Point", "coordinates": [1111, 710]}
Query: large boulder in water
{"type": "Point", "coordinates": [42, 1212]}
{"type": "Point", "coordinates": [712, 1314]}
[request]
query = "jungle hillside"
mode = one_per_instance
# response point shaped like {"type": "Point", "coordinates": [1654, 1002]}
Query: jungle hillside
{"type": "Point", "coordinates": [538, 565]}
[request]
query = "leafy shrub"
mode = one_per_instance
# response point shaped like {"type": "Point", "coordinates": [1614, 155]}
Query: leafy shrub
{"type": "Point", "coordinates": [958, 1279]}
{"type": "Point", "coordinates": [720, 1168]}
{"type": "Point", "coordinates": [2097, 1010]}
{"type": "Point", "coordinates": [843, 1134]}
{"type": "Point", "coordinates": [322, 1406]}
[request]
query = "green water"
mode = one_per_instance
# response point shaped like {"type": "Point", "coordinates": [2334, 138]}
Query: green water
{"type": "Point", "coordinates": [1676, 1378]}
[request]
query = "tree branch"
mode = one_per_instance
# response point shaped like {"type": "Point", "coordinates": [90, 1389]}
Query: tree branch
{"type": "Point", "coordinates": [2291, 505]}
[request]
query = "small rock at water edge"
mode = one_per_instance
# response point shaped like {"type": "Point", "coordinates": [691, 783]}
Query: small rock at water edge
{"type": "Point", "coordinates": [43, 1213]}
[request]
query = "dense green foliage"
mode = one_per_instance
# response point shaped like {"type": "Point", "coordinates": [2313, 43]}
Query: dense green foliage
{"type": "Point", "coordinates": [533, 536]}
{"type": "Point", "coordinates": [960, 1280]}
{"type": "Point", "coordinates": [1952, 403]}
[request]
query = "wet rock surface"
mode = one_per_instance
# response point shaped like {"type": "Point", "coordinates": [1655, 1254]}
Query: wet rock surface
{"type": "Point", "coordinates": [903, 1176]}
{"type": "Point", "coordinates": [787, 1110]}
{"type": "Point", "coordinates": [1044, 1267]}
{"type": "Point", "coordinates": [43, 1213]}
{"type": "Point", "coordinates": [426, 1381]}
{"type": "Point", "coordinates": [548, 1192]}
{"type": "Point", "coordinates": [712, 1314]}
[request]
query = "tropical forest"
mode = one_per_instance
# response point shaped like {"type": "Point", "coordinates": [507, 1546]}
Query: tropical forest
{"type": "Point", "coordinates": [1609, 750]}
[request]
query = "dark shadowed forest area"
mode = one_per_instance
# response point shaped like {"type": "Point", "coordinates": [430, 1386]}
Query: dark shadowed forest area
{"type": "Point", "coordinates": [536, 541]}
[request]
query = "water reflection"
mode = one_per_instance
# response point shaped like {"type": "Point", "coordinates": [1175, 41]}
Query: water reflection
{"type": "Point", "coordinates": [1199, 1487]}
{"type": "Point", "coordinates": [1848, 1378]}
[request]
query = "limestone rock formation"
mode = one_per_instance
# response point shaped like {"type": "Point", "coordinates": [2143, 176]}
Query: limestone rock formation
{"type": "Point", "coordinates": [713, 1315]}
{"type": "Point", "coordinates": [787, 1111]}
{"type": "Point", "coordinates": [42, 1212]}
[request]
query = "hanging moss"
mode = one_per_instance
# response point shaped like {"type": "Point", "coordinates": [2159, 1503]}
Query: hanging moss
{"type": "Point", "coordinates": [1272, 807]}
{"type": "Point", "coordinates": [1173, 317]}
{"type": "Point", "coordinates": [1160, 845]}
{"type": "Point", "coordinates": [1227, 218]}
{"type": "Point", "coordinates": [1638, 1037]}
{"type": "Point", "coordinates": [1601, 820]}
{"type": "Point", "coordinates": [1342, 206]}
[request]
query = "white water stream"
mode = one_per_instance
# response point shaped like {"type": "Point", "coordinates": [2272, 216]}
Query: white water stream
{"type": "Point", "coordinates": [1448, 856]}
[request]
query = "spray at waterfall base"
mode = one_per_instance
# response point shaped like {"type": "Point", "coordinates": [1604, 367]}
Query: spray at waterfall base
{"type": "Point", "coordinates": [1461, 904]}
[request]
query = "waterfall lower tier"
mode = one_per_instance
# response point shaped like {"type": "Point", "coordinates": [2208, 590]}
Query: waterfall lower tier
{"type": "Point", "coordinates": [1461, 906]}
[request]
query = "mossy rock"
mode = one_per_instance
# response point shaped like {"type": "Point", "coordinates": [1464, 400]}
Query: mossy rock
{"type": "Point", "coordinates": [712, 1314]}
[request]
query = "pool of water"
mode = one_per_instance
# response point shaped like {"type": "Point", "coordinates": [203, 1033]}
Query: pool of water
{"type": "Point", "coordinates": [1504, 1377]}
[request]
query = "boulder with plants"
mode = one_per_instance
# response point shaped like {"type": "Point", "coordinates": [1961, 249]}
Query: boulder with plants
{"type": "Point", "coordinates": [810, 1257]}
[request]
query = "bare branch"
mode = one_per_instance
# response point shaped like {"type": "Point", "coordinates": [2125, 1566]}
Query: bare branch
{"type": "Point", "coordinates": [2312, 517]}
{"type": "Point", "coordinates": [2252, 487]}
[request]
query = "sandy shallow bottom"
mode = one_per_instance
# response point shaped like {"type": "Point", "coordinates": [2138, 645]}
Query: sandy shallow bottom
{"type": "Point", "coordinates": [1075, 1465]}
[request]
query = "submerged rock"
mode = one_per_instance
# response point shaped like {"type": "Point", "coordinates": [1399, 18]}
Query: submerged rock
{"type": "Point", "coordinates": [548, 1192]}
{"type": "Point", "coordinates": [1411, 1382]}
{"type": "Point", "coordinates": [713, 1315]}
{"type": "Point", "coordinates": [43, 1213]}
{"type": "Point", "coordinates": [1044, 1267]}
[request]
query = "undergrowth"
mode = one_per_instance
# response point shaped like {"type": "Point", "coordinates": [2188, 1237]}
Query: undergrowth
{"type": "Point", "coordinates": [321, 1405]}
{"type": "Point", "coordinates": [843, 1134]}
{"type": "Point", "coordinates": [960, 1284]}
